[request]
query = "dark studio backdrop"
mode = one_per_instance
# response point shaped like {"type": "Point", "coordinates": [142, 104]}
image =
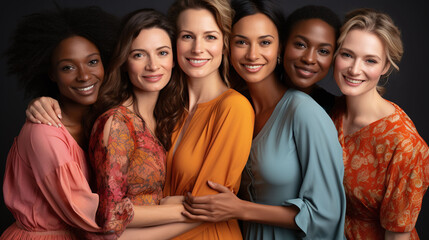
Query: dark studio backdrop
{"type": "Point", "coordinates": [408, 88]}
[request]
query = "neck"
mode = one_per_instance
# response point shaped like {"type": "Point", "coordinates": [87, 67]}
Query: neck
{"type": "Point", "coordinates": [146, 102]}
{"type": "Point", "coordinates": [202, 90]}
{"type": "Point", "coordinates": [266, 94]}
{"type": "Point", "coordinates": [73, 115]}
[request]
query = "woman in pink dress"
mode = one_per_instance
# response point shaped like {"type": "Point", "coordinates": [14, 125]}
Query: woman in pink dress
{"type": "Point", "coordinates": [386, 162]}
{"type": "Point", "coordinates": [60, 54]}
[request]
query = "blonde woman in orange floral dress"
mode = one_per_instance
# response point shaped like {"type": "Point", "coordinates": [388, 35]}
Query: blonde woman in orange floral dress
{"type": "Point", "coordinates": [386, 161]}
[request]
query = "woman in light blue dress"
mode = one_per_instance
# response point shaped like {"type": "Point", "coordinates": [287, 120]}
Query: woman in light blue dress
{"type": "Point", "coordinates": [292, 184]}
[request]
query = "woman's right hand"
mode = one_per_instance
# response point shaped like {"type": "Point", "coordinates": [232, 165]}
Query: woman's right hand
{"type": "Point", "coordinates": [172, 200]}
{"type": "Point", "coordinates": [44, 110]}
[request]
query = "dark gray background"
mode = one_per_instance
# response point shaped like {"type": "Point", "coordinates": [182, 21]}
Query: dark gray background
{"type": "Point", "coordinates": [408, 88]}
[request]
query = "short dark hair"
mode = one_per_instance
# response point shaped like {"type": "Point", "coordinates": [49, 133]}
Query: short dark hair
{"type": "Point", "coordinates": [313, 12]}
{"type": "Point", "coordinates": [38, 34]}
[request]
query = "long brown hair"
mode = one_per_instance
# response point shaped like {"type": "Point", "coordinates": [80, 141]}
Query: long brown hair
{"type": "Point", "coordinates": [117, 86]}
{"type": "Point", "coordinates": [222, 13]}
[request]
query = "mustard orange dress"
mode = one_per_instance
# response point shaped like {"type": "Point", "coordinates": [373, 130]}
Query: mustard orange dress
{"type": "Point", "coordinates": [129, 171]}
{"type": "Point", "coordinates": [215, 147]}
{"type": "Point", "coordinates": [386, 175]}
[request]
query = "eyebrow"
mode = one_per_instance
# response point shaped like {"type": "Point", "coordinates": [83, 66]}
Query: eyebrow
{"type": "Point", "coordinates": [206, 32]}
{"type": "Point", "coordinates": [143, 50]}
{"type": "Point", "coordinates": [306, 39]}
{"type": "Point", "coordinates": [260, 37]}
{"type": "Point", "coordinates": [71, 60]}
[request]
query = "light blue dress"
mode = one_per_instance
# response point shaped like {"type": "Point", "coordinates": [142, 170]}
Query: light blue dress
{"type": "Point", "coordinates": [296, 159]}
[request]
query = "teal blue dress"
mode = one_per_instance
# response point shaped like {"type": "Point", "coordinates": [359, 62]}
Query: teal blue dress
{"type": "Point", "coordinates": [296, 159]}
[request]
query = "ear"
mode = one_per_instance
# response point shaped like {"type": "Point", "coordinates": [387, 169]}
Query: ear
{"type": "Point", "coordinates": [386, 68]}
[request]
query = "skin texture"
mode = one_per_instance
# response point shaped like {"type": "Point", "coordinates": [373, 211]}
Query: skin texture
{"type": "Point", "coordinates": [308, 54]}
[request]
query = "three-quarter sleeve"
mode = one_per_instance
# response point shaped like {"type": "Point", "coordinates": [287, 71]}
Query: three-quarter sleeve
{"type": "Point", "coordinates": [406, 184]}
{"type": "Point", "coordinates": [56, 167]}
{"type": "Point", "coordinates": [321, 197]}
{"type": "Point", "coordinates": [228, 149]}
{"type": "Point", "coordinates": [111, 164]}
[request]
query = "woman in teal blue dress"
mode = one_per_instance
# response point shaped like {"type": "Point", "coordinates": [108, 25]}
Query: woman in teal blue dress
{"type": "Point", "coordinates": [293, 180]}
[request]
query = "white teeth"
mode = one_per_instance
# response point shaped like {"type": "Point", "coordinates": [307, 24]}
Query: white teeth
{"type": "Point", "coordinates": [353, 81]}
{"type": "Point", "coordinates": [197, 61]}
{"type": "Point", "coordinates": [252, 66]}
{"type": "Point", "coordinates": [86, 89]}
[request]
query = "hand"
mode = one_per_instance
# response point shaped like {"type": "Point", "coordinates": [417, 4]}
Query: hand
{"type": "Point", "coordinates": [44, 110]}
{"type": "Point", "coordinates": [172, 200]}
{"type": "Point", "coordinates": [212, 208]}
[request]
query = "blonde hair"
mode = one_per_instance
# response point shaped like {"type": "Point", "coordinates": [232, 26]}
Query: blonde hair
{"type": "Point", "coordinates": [382, 26]}
{"type": "Point", "coordinates": [222, 13]}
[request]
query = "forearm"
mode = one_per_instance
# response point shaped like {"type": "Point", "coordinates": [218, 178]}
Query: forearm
{"type": "Point", "coordinates": [166, 231]}
{"type": "Point", "coordinates": [282, 216]}
{"type": "Point", "coordinates": [154, 215]}
{"type": "Point", "coordinates": [396, 236]}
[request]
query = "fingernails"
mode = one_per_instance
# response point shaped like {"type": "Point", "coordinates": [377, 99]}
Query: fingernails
{"type": "Point", "coordinates": [50, 124]}
{"type": "Point", "coordinates": [59, 125]}
{"type": "Point", "coordinates": [59, 116]}
{"type": "Point", "coordinates": [39, 122]}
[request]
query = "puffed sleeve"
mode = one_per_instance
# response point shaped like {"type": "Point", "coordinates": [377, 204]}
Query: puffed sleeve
{"type": "Point", "coordinates": [53, 160]}
{"type": "Point", "coordinates": [229, 148]}
{"type": "Point", "coordinates": [407, 182]}
{"type": "Point", "coordinates": [321, 197]}
{"type": "Point", "coordinates": [111, 162]}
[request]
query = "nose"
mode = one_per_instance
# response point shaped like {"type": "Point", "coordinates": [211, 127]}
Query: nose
{"type": "Point", "coordinates": [252, 53]}
{"type": "Point", "coordinates": [152, 64]}
{"type": "Point", "coordinates": [83, 73]}
{"type": "Point", "coordinates": [354, 69]}
{"type": "Point", "coordinates": [197, 46]}
{"type": "Point", "coordinates": [309, 56]}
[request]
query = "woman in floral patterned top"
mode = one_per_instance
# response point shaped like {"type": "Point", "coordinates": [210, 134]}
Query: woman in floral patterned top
{"type": "Point", "coordinates": [129, 139]}
{"type": "Point", "coordinates": [386, 161]}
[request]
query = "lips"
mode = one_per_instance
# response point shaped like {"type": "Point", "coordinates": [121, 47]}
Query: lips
{"type": "Point", "coordinates": [305, 72]}
{"type": "Point", "coordinates": [352, 81]}
{"type": "Point", "coordinates": [197, 62]}
{"type": "Point", "coordinates": [87, 90]}
{"type": "Point", "coordinates": [252, 67]}
{"type": "Point", "coordinates": [153, 78]}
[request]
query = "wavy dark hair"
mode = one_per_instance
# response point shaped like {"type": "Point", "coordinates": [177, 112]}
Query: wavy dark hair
{"type": "Point", "coordinates": [222, 13]}
{"type": "Point", "coordinates": [38, 34]}
{"type": "Point", "coordinates": [117, 86]}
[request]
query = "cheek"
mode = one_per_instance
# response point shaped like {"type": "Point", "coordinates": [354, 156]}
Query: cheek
{"type": "Point", "coordinates": [340, 65]}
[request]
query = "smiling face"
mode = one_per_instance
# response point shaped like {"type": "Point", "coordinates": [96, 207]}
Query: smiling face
{"type": "Point", "coordinates": [308, 53]}
{"type": "Point", "coordinates": [199, 44]}
{"type": "Point", "coordinates": [255, 47]}
{"type": "Point", "coordinates": [360, 62]}
{"type": "Point", "coordinates": [150, 60]}
{"type": "Point", "coordinates": [77, 69]}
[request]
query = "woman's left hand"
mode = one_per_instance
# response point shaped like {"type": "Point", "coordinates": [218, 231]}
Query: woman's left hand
{"type": "Point", "coordinates": [212, 208]}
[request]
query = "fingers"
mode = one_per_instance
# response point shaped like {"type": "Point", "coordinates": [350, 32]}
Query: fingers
{"type": "Point", "coordinates": [44, 110]}
{"type": "Point", "coordinates": [196, 209]}
{"type": "Point", "coordinates": [196, 217]}
{"type": "Point", "coordinates": [197, 200]}
{"type": "Point", "coordinates": [218, 187]}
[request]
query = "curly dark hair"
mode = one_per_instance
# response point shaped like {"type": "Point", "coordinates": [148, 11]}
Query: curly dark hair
{"type": "Point", "coordinates": [311, 12]}
{"type": "Point", "coordinates": [117, 86]}
{"type": "Point", "coordinates": [38, 34]}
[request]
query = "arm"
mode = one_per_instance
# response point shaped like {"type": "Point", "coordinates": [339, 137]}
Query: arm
{"type": "Point", "coordinates": [396, 236]}
{"type": "Point", "coordinates": [167, 231]}
{"type": "Point", "coordinates": [59, 176]}
{"type": "Point", "coordinates": [44, 110]}
{"type": "Point", "coordinates": [112, 147]}
{"type": "Point", "coordinates": [226, 205]}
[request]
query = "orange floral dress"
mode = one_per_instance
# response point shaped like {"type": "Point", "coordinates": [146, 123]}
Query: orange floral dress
{"type": "Point", "coordinates": [386, 175]}
{"type": "Point", "coordinates": [129, 171]}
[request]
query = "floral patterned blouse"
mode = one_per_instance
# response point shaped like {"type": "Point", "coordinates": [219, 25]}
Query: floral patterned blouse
{"type": "Point", "coordinates": [386, 175]}
{"type": "Point", "coordinates": [129, 171]}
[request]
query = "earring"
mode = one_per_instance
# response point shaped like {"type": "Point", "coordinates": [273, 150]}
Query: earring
{"type": "Point", "coordinates": [278, 60]}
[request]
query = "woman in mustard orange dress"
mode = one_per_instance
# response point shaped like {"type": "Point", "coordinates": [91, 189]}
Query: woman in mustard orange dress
{"type": "Point", "coordinates": [386, 161]}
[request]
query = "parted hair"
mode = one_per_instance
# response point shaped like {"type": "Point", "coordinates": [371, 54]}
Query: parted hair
{"type": "Point", "coordinates": [37, 35]}
{"type": "Point", "coordinates": [117, 86]}
{"type": "Point", "coordinates": [382, 26]}
{"type": "Point", "coordinates": [222, 13]}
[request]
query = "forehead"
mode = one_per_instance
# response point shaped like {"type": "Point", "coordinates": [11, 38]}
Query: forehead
{"type": "Point", "coordinates": [364, 43]}
{"type": "Point", "coordinates": [151, 38]}
{"type": "Point", "coordinates": [314, 29]}
{"type": "Point", "coordinates": [257, 24]}
{"type": "Point", "coordinates": [74, 47]}
{"type": "Point", "coordinates": [197, 20]}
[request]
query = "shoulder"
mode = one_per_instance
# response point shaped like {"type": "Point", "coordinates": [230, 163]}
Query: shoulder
{"type": "Point", "coordinates": [40, 134]}
{"type": "Point", "coordinates": [233, 102]}
{"type": "Point", "coordinates": [302, 106]}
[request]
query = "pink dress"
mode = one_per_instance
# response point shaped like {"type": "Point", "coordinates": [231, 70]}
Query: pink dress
{"type": "Point", "coordinates": [46, 186]}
